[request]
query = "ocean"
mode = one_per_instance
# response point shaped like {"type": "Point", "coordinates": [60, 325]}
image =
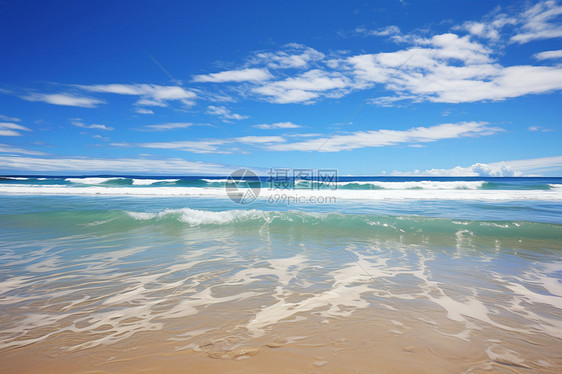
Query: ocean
{"type": "Point", "coordinates": [125, 274]}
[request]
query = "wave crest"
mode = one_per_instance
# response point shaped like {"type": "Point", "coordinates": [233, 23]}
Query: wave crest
{"type": "Point", "coordinates": [364, 224]}
{"type": "Point", "coordinates": [194, 217]}
{"type": "Point", "coordinates": [415, 185]}
{"type": "Point", "coordinates": [92, 180]}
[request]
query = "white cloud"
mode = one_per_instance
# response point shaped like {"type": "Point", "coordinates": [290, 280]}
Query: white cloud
{"type": "Point", "coordinates": [9, 133]}
{"type": "Point", "coordinates": [490, 28]}
{"type": "Point", "coordinates": [64, 99]}
{"type": "Point", "coordinates": [451, 69]}
{"type": "Point", "coordinates": [275, 94]}
{"type": "Point", "coordinates": [361, 139]}
{"type": "Point", "coordinates": [83, 165]}
{"type": "Point", "coordinates": [217, 146]}
{"type": "Point", "coordinates": [144, 111]}
{"type": "Point", "coordinates": [313, 80]}
{"type": "Point", "coordinates": [304, 87]}
{"type": "Point", "coordinates": [260, 139]}
{"type": "Point", "coordinates": [389, 31]}
{"type": "Point", "coordinates": [509, 82]}
{"type": "Point", "coordinates": [278, 125]}
{"type": "Point", "coordinates": [454, 67]}
{"type": "Point", "coordinates": [225, 113]}
{"type": "Point", "coordinates": [11, 129]}
{"type": "Point", "coordinates": [392, 101]}
{"type": "Point", "coordinates": [149, 94]}
{"type": "Point", "coordinates": [167, 126]}
{"type": "Point", "coordinates": [513, 168]}
{"type": "Point", "coordinates": [546, 55]}
{"type": "Point", "coordinates": [244, 75]}
{"type": "Point", "coordinates": [94, 126]}
{"type": "Point", "coordinates": [9, 119]}
{"type": "Point", "coordinates": [5, 148]}
{"type": "Point", "coordinates": [305, 135]}
{"type": "Point", "coordinates": [538, 128]}
{"type": "Point", "coordinates": [537, 165]}
{"type": "Point", "coordinates": [194, 146]}
{"type": "Point", "coordinates": [481, 170]}
{"type": "Point", "coordinates": [541, 21]}
{"type": "Point", "coordinates": [296, 56]}
{"type": "Point", "coordinates": [443, 54]}
{"type": "Point", "coordinates": [383, 138]}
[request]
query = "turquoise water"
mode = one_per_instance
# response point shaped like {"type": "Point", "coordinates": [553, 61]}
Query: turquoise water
{"type": "Point", "coordinates": [343, 182]}
{"type": "Point", "coordinates": [96, 262]}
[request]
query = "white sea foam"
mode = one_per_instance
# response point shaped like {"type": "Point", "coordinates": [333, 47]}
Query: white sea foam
{"type": "Point", "coordinates": [217, 180]}
{"type": "Point", "coordinates": [502, 355]}
{"type": "Point", "coordinates": [426, 185]}
{"type": "Point", "coordinates": [91, 180]}
{"type": "Point", "coordinates": [171, 191]}
{"type": "Point", "coordinates": [142, 216]}
{"type": "Point", "coordinates": [195, 217]}
{"type": "Point", "coordinates": [147, 182]}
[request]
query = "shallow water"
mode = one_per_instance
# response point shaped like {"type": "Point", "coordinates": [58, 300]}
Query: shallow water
{"type": "Point", "coordinates": [145, 284]}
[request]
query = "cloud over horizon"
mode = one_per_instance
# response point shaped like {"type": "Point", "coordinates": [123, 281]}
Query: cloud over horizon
{"type": "Point", "coordinates": [513, 168]}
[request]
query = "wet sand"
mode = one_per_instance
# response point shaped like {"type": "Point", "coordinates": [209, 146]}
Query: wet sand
{"type": "Point", "coordinates": [376, 340]}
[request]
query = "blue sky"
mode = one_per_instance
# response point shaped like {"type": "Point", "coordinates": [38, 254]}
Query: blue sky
{"type": "Point", "coordinates": [368, 88]}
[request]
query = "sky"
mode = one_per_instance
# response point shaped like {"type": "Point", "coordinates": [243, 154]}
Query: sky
{"type": "Point", "coordinates": [393, 87]}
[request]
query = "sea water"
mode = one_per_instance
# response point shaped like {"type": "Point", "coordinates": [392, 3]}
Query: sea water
{"type": "Point", "coordinates": [168, 274]}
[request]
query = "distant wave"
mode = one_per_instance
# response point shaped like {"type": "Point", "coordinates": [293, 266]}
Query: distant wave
{"type": "Point", "coordinates": [92, 180]}
{"type": "Point", "coordinates": [215, 180]}
{"type": "Point", "coordinates": [147, 182]}
{"type": "Point", "coordinates": [298, 184]}
{"type": "Point", "coordinates": [425, 185]}
{"type": "Point", "coordinates": [553, 194]}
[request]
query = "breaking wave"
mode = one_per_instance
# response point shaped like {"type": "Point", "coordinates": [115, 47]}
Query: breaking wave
{"type": "Point", "coordinates": [295, 221]}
